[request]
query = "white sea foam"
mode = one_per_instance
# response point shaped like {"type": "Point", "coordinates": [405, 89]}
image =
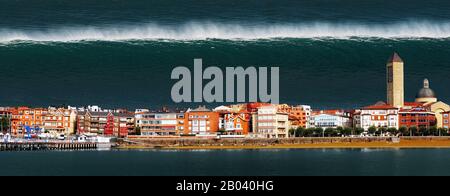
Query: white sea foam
{"type": "Point", "coordinates": [208, 30]}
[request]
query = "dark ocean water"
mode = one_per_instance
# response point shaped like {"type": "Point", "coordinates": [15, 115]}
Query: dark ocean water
{"type": "Point", "coordinates": [121, 53]}
{"type": "Point", "coordinates": [295, 162]}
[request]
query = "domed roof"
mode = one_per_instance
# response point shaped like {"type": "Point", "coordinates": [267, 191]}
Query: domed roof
{"type": "Point", "coordinates": [426, 91]}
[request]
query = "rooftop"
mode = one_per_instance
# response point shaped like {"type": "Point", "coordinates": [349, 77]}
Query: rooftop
{"type": "Point", "coordinates": [395, 58]}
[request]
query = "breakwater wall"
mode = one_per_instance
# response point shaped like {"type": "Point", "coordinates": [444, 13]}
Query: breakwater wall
{"type": "Point", "coordinates": [180, 142]}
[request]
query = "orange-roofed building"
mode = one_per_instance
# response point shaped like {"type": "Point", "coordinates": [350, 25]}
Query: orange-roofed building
{"type": "Point", "coordinates": [25, 116]}
{"type": "Point", "coordinates": [253, 107]}
{"type": "Point", "coordinates": [298, 115]}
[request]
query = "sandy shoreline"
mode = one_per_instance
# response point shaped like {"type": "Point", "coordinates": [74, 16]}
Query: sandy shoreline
{"type": "Point", "coordinates": [401, 144]}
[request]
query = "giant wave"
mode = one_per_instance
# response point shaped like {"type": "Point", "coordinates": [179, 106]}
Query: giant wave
{"type": "Point", "coordinates": [209, 30]}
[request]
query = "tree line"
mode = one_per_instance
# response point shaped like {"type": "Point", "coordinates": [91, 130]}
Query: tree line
{"type": "Point", "coordinates": [376, 131]}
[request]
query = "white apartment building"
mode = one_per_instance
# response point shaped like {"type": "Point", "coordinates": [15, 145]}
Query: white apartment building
{"type": "Point", "coordinates": [378, 115]}
{"type": "Point", "coordinates": [157, 124]}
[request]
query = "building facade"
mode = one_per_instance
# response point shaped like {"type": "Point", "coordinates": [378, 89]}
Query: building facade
{"type": "Point", "coordinates": [298, 115]}
{"type": "Point", "coordinates": [201, 121]}
{"type": "Point", "coordinates": [270, 123]}
{"type": "Point", "coordinates": [416, 115]}
{"type": "Point", "coordinates": [59, 121]}
{"type": "Point", "coordinates": [234, 121]}
{"type": "Point", "coordinates": [428, 98]}
{"type": "Point", "coordinates": [119, 124]}
{"type": "Point", "coordinates": [95, 122]}
{"type": "Point", "coordinates": [378, 115]}
{"type": "Point", "coordinates": [157, 124]}
{"type": "Point", "coordinates": [331, 119]}
{"type": "Point", "coordinates": [25, 118]}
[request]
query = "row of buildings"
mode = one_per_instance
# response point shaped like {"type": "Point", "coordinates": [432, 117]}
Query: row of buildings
{"type": "Point", "coordinates": [253, 119]}
{"type": "Point", "coordinates": [258, 119]}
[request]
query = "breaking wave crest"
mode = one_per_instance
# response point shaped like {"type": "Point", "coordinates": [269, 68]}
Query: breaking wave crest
{"type": "Point", "coordinates": [208, 30]}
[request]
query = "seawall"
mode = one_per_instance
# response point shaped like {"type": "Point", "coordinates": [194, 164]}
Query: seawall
{"type": "Point", "coordinates": [309, 142]}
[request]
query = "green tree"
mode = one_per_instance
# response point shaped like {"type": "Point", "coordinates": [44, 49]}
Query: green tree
{"type": "Point", "coordinates": [443, 132]}
{"type": "Point", "coordinates": [330, 132]}
{"type": "Point", "coordinates": [347, 131]}
{"type": "Point", "coordinates": [339, 130]}
{"type": "Point", "coordinates": [423, 131]}
{"type": "Point", "coordinates": [393, 130]}
{"type": "Point", "coordinates": [300, 132]}
{"type": "Point", "coordinates": [433, 131]}
{"type": "Point", "coordinates": [403, 130]}
{"type": "Point", "coordinates": [358, 131]}
{"type": "Point", "coordinates": [381, 130]}
{"type": "Point", "coordinates": [413, 131]}
{"type": "Point", "coordinates": [310, 132]}
{"type": "Point", "coordinates": [319, 132]}
{"type": "Point", "coordinates": [372, 130]}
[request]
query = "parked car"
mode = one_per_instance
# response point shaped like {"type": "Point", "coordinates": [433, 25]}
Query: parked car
{"type": "Point", "coordinates": [61, 137]}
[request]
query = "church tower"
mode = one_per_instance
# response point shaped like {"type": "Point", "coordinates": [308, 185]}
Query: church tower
{"type": "Point", "coordinates": [395, 80]}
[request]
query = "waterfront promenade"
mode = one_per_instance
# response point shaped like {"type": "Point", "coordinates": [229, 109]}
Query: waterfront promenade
{"type": "Point", "coordinates": [283, 143]}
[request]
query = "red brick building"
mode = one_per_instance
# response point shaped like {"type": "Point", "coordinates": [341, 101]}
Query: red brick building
{"type": "Point", "coordinates": [201, 121]}
{"type": "Point", "coordinates": [119, 124]}
{"type": "Point", "coordinates": [416, 115]}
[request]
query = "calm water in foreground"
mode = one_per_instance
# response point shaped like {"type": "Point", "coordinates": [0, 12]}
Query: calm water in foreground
{"type": "Point", "coordinates": [230, 162]}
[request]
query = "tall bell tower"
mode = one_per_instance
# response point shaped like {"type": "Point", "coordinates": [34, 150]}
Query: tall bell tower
{"type": "Point", "coordinates": [395, 81]}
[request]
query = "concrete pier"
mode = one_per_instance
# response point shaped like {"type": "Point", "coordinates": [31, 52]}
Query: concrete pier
{"type": "Point", "coordinates": [51, 145]}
